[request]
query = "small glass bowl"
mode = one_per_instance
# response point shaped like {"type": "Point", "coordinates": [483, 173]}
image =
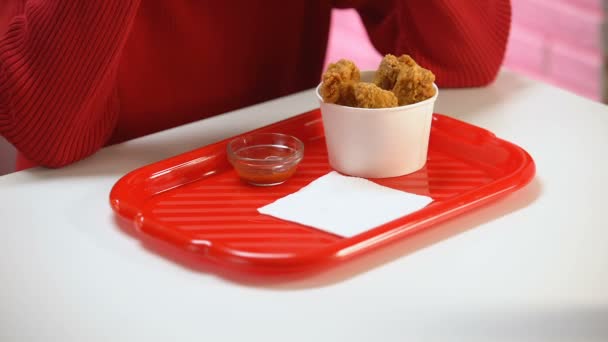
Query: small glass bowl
{"type": "Point", "coordinates": [265, 159]}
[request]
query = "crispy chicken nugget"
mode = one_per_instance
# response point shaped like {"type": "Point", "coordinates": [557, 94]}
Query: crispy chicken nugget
{"type": "Point", "coordinates": [338, 82]}
{"type": "Point", "coordinates": [386, 75]}
{"type": "Point", "coordinates": [413, 85]}
{"type": "Point", "coordinates": [346, 68]}
{"type": "Point", "coordinates": [407, 60]}
{"type": "Point", "coordinates": [335, 90]}
{"type": "Point", "coordinates": [409, 81]}
{"type": "Point", "coordinates": [369, 95]}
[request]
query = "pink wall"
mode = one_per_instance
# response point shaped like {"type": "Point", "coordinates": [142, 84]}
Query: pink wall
{"type": "Point", "coordinates": [348, 39]}
{"type": "Point", "coordinates": [561, 42]}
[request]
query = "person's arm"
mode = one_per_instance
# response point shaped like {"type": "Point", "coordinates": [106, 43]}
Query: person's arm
{"type": "Point", "coordinates": [462, 42]}
{"type": "Point", "coordinates": [58, 63]}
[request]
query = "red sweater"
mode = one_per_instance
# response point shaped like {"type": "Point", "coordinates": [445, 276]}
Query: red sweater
{"type": "Point", "coordinates": [77, 75]}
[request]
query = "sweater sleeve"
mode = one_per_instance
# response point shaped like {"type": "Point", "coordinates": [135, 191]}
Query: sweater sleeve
{"type": "Point", "coordinates": [462, 42]}
{"type": "Point", "coordinates": [58, 63]}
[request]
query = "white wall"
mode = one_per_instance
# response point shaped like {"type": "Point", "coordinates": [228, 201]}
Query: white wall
{"type": "Point", "coordinates": [7, 157]}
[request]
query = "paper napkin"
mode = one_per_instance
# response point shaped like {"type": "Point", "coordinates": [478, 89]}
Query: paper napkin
{"type": "Point", "coordinates": [344, 205]}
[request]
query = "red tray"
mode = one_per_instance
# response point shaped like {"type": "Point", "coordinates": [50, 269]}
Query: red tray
{"type": "Point", "coordinates": [196, 202]}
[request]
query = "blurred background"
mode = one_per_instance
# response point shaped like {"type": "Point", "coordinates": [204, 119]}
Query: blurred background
{"type": "Point", "coordinates": [560, 42]}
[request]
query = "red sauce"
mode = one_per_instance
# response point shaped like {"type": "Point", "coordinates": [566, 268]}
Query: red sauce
{"type": "Point", "coordinates": [265, 178]}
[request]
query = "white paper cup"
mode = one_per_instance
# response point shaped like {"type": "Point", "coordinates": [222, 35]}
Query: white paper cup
{"type": "Point", "coordinates": [377, 142]}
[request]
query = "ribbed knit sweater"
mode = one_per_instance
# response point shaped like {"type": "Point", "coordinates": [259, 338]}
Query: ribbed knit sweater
{"type": "Point", "coordinates": [76, 75]}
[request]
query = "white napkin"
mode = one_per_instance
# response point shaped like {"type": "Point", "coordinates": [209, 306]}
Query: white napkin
{"type": "Point", "coordinates": [344, 205]}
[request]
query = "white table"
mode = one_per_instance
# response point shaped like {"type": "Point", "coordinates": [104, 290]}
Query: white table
{"type": "Point", "coordinates": [533, 267]}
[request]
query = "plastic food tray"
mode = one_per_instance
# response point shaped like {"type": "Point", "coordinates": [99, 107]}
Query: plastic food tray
{"type": "Point", "coordinates": [196, 202]}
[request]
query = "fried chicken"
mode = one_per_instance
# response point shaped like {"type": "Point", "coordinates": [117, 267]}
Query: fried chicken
{"type": "Point", "coordinates": [369, 95]}
{"type": "Point", "coordinates": [338, 82]}
{"type": "Point", "coordinates": [410, 82]}
{"type": "Point", "coordinates": [386, 75]}
{"type": "Point", "coordinates": [407, 60]}
{"type": "Point", "coordinates": [414, 84]}
{"type": "Point", "coordinates": [335, 90]}
{"type": "Point", "coordinates": [398, 81]}
{"type": "Point", "coordinates": [347, 70]}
